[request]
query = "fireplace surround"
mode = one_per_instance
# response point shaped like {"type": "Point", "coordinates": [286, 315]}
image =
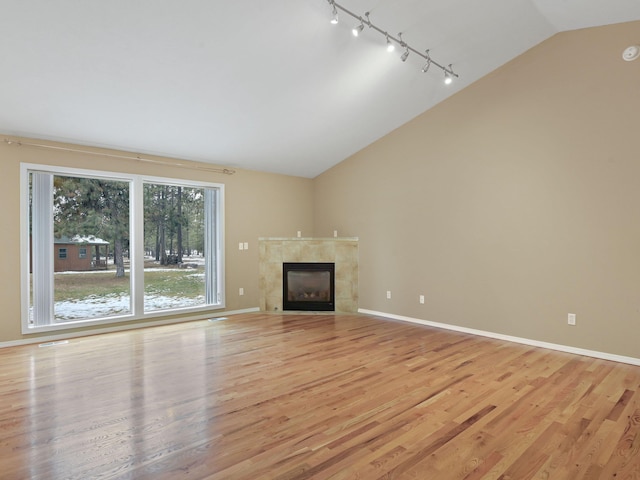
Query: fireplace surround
{"type": "Point", "coordinates": [341, 251]}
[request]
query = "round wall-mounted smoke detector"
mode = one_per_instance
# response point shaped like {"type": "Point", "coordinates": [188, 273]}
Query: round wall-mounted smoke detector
{"type": "Point", "coordinates": [631, 53]}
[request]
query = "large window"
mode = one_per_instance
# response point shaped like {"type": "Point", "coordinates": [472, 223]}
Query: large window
{"type": "Point", "coordinates": [133, 246]}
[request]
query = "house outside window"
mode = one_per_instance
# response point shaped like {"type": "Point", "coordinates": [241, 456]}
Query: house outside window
{"type": "Point", "coordinates": [62, 253]}
{"type": "Point", "coordinates": [82, 252]}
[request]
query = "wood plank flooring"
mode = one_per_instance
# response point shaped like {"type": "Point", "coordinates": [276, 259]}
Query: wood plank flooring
{"type": "Point", "coordinates": [289, 397]}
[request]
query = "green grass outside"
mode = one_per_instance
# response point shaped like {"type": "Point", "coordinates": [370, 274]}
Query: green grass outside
{"type": "Point", "coordinates": [175, 283]}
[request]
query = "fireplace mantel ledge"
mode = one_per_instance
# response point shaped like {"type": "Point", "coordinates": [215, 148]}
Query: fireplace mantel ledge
{"type": "Point", "coordinates": [307, 239]}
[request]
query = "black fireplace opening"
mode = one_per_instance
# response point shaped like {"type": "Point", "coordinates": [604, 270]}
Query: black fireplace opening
{"type": "Point", "coordinates": [308, 286]}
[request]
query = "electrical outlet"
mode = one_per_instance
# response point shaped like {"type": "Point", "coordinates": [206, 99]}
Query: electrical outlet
{"type": "Point", "coordinates": [388, 294]}
{"type": "Point", "coordinates": [241, 291]}
{"type": "Point", "coordinates": [241, 246]}
{"type": "Point", "coordinates": [571, 319]}
{"type": "Point", "coordinates": [246, 245]}
{"type": "Point", "coordinates": [421, 298]}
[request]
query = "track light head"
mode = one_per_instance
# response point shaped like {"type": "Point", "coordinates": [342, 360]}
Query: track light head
{"type": "Point", "coordinates": [334, 14]}
{"type": "Point", "coordinates": [448, 76]}
{"type": "Point", "coordinates": [405, 55]}
{"type": "Point", "coordinates": [390, 46]}
{"type": "Point", "coordinates": [356, 30]}
{"type": "Point", "coordinates": [425, 69]}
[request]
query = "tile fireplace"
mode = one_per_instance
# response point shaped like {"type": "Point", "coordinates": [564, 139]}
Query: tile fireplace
{"type": "Point", "coordinates": [342, 252]}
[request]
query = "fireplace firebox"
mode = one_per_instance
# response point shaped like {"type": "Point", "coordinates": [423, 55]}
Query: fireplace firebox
{"type": "Point", "coordinates": [308, 286]}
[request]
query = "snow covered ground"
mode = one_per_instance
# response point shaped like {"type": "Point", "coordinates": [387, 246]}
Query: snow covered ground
{"type": "Point", "coordinates": [105, 306]}
{"type": "Point", "coordinates": [96, 306]}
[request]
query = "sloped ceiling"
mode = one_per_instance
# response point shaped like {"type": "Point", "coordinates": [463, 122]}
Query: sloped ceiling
{"type": "Point", "coordinates": [269, 86]}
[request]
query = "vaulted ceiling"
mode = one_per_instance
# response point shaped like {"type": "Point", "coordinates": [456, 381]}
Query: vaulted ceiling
{"type": "Point", "coordinates": [262, 85]}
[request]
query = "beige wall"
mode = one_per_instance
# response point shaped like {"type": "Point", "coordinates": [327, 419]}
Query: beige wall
{"type": "Point", "coordinates": [512, 203]}
{"type": "Point", "coordinates": [257, 205]}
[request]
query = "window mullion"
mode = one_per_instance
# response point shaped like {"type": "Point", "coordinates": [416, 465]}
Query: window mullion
{"type": "Point", "coordinates": [136, 246]}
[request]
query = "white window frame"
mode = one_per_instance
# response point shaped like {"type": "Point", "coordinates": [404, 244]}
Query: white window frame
{"type": "Point", "coordinates": [136, 248]}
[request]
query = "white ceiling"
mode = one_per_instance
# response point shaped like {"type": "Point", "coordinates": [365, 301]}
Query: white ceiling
{"type": "Point", "coordinates": [262, 85]}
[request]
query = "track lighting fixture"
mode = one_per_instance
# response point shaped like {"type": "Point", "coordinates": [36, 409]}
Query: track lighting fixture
{"type": "Point", "coordinates": [391, 41]}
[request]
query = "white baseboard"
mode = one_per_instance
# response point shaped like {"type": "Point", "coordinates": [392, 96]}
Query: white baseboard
{"type": "Point", "coordinates": [120, 328]}
{"type": "Point", "coordinates": [508, 338]}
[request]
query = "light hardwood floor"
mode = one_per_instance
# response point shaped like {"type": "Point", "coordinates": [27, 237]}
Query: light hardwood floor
{"type": "Point", "coordinates": [264, 396]}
